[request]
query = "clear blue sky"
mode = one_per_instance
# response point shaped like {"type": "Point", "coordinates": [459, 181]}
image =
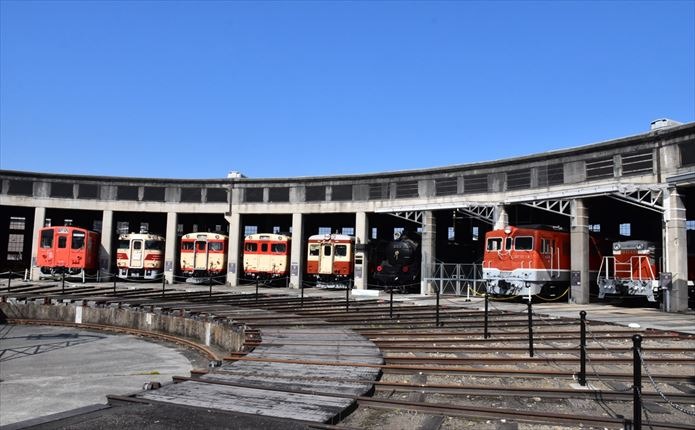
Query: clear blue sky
{"type": "Point", "coordinates": [275, 89]}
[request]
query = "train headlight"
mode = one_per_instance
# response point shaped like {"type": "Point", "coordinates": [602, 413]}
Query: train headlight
{"type": "Point", "coordinates": [507, 230]}
{"type": "Point", "coordinates": [616, 246]}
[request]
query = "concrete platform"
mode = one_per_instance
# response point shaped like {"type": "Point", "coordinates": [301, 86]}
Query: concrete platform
{"type": "Point", "coordinates": [46, 370]}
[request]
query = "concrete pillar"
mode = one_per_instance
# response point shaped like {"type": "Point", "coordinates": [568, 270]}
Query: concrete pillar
{"type": "Point", "coordinates": [429, 236]}
{"type": "Point", "coordinates": [105, 251]}
{"type": "Point", "coordinates": [171, 247]}
{"type": "Point", "coordinates": [500, 218]}
{"type": "Point", "coordinates": [233, 252]}
{"type": "Point", "coordinates": [297, 252]}
{"type": "Point", "coordinates": [39, 219]}
{"type": "Point", "coordinates": [361, 239]}
{"type": "Point", "coordinates": [675, 252]}
{"type": "Point", "coordinates": [579, 253]}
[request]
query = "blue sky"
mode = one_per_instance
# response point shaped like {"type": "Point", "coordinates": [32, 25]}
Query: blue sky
{"type": "Point", "coordinates": [276, 89]}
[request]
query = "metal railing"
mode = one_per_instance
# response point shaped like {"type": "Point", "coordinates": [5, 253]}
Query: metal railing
{"type": "Point", "coordinates": [457, 278]}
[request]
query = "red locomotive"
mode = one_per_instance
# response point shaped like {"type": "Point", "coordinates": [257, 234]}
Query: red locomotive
{"type": "Point", "coordinates": [528, 260]}
{"type": "Point", "coordinates": [69, 250]}
{"type": "Point", "coordinates": [630, 271]}
{"type": "Point", "coordinates": [330, 259]}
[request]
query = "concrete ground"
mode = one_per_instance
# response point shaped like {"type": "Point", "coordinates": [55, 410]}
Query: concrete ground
{"type": "Point", "coordinates": [46, 370]}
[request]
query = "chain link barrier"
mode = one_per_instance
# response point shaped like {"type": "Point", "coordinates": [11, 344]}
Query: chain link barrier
{"type": "Point", "coordinates": [659, 392]}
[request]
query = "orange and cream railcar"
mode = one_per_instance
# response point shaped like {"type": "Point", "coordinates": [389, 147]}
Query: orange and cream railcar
{"type": "Point", "coordinates": [630, 271]}
{"type": "Point", "coordinates": [266, 256]}
{"type": "Point", "coordinates": [69, 250]}
{"type": "Point", "coordinates": [140, 255]}
{"type": "Point", "coordinates": [204, 254]}
{"type": "Point", "coordinates": [528, 260]}
{"type": "Point", "coordinates": [330, 259]}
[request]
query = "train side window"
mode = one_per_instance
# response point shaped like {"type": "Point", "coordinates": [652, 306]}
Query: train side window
{"type": "Point", "coordinates": [187, 246]}
{"type": "Point", "coordinates": [200, 246]}
{"type": "Point", "coordinates": [47, 239]}
{"type": "Point", "coordinates": [77, 241]}
{"type": "Point", "coordinates": [545, 246]}
{"type": "Point", "coordinates": [327, 249]}
{"type": "Point", "coordinates": [523, 243]}
{"type": "Point", "coordinates": [278, 247]}
{"type": "Point", "coordinates": [340, 250]}
{"type": "Point", "coordinates": [62, 241]}
{"type": "Point", "coordinates": [216, 246]}
{"type": "Point", "coordinates": [264, 247]}
{"type": "Point", "coordinates": [508, 244]}
{"type": "Point", "coordinates": [314, 250]}
{"type": "Point", "coordinates": [251, 247]}
{"type": "Point", "coordinates": [494, 244]}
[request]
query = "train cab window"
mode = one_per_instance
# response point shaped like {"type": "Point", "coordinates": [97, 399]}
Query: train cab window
{"type": "Point", "coordinates": [546, 247]}
{"type": "Point", "coordinates": [47, 239]}
{"type": "Point", "coordinates": [186, 246]}
{"type": "Point", "coordinates": [154, 245]}
{"type": "Point", "coordinates": [123, 244]}
{"type": "Point", "coordinates": [137, 245]}
{"type": "Point", "coordinates": [216, 246]}
{"type": "Point", "coordinates": [340, 250]}
{"type": "Point", "coordinates": [327, 249]}
{"type": "Point", "coordinates": [523, 243]}
{"type": "Point", "coordinates": [251, 247]}
{"type": "Point", "coordinates": [200, 246]}
{"type": "Point", "coordinates": [62, 241]}
{"type": "Point", "coordinates": [77, 240]}
{"type": "Point", "coordinates": [314, 250]}
{"type": "Point", "coordinates": [264, 247]}
{"type": "Point", "coordinates": [494, 244]}
{"type": "Point", "coordinates": [508, 244]}
{"type": "Point", "coordinates": [278, 247]}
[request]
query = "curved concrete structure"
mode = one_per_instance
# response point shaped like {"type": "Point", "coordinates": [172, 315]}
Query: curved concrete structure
{"type": "Point", "coordinates": [654, 171]}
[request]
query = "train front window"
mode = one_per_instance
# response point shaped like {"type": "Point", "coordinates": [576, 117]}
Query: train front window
{"type": "Point", "coordinates": [523, 243]}
{"type": "Point", "coordinates": [340, 250]}
{"type": "Point", "coordinates": [327, 249]}
{"type": "Point", "coordinates": [77, 240]}
{"type": "Point", "coordinates": [314, 250]}
{"type": "Point", "coordinates": [137, 245]}
{"type": "Point", "coordinates": [251, 247]}
{"type": "Point", "coordinates": [494, 244]}
{"type": "Point", "coordinates": [186, 246]}
{"type": "Point", "coordinates": [508, 244]}
{"type": "Point", "coordinates": [154, 245]}
{"type": "Point", "coordinates": [123, 244]}
{"type": "Point", "coordinates": [62, 241]}
{"type": "Point", "coordinates": [264, 247]}
{"type": "Point", "coordinates": [278, 247]}
{"type": "Point", "coordinates": [215, 246]}
{"type": "Point", "coordinates": [47, 239]}
{"type": "Point", "coordinates": [200, 246]}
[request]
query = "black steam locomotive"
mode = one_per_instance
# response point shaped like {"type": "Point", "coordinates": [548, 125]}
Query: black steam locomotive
{"type": "Point", "coordinates": [398, 264]}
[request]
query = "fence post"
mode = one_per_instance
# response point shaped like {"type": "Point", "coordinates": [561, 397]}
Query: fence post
{"type": "Point", "coordinates": [164, 282]}
{"type": "Point", "coordinates": [9, 281]}
{"type": "Point", "coordinates": [256, 289]}
{"type": "Point", "coordinates": [437, 314]}
{"type": "Point", "coordinates": [63, 287]}
{"type": "Point", "coordinates": [391, 304]}
{"type": "Point", "coordinates": [637, 383]}
{"type": "Point", "coordinates": [301, 303]}
{"type": "Point", "coordinates": [210, 285]}
{"type": "Point", "coordinates": [347, 296]}
{"type": "Point", "coordinates": [530, 329]}
{"type": "Point", "coordinates": [582, 348]}
{"type": "Point", "coordinates": [485, 332]}
{"type": "Point", "coordinates": [115, 278]}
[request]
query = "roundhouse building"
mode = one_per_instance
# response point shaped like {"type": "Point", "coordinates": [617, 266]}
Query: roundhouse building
{"type": "Point", "coordinates": [637, 187]}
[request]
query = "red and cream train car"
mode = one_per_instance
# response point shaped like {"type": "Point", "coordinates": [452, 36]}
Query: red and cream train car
{"type": "Point", "coordinates": [330, 259]}
{"type": "Point", "coordinates": [66, 249]}
{"type": "Point", "coordinates": [527, 260]}
{"type": "Point", "coordinates": [140, 255]}
{"type": "Point", "coordinates": [266, 256]}
{"type": "Point", "coordinates": [203, 254]}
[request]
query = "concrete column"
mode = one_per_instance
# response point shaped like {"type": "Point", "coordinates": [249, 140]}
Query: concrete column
{"type": "Point", "coordinates": [39, 219]}
{"type": "Point", "coordinates": [105, 251]}
{"type": "Point", "coordinates": [579, 253]}
{"type": "Point", "coordinates": [297, 252]}
{"type": "Point", "coordinates": [361, 239]}
{"type": "Point", "coordinates": [170, 248]}
{"type": "Point", "coordinates": [675, 252]}
{"type": "Point", "coordinates": [429, 236]}
{"type": "Point", "coordinates": [501, 218]}
{"type": "Point", "coordinates": [233, 252]}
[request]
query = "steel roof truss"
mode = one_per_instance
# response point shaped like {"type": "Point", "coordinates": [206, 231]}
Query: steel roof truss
{"type": "Point", "coordinates": [561, 207]}
{"type": "Point", "coordinates": [481, 213]}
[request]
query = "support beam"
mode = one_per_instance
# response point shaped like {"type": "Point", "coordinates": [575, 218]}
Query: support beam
{"type": "Point", "coordinates": [361, 239]}
{"type": "Point", "coordinates": [428, 246]}
{"type": "Point", "coordinates": [106, 248]}
{"type": "Point", "coordinates": [233, 253]}
{"type": "Point", "coordinates": [579, 253]}
{"type": "Point", "coordinates": [296, 269]}
{"type": "Point", "coordinates": [170, 247]}
{"type": "Point", "coordinates": [500, 217]}
{"type": "Point", "coordinates": [39, 219]}
{"type": "Point", "coordinates": [675, 251]}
